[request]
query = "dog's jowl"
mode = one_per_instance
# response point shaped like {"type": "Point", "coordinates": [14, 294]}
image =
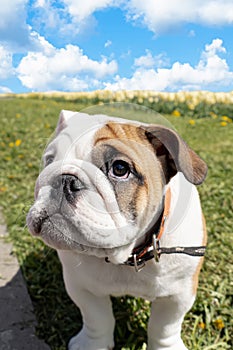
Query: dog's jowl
{"type": "Point", "coordinates": [118, 201]}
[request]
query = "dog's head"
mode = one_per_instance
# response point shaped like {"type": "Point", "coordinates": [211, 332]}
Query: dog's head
{"type": "Point", "coordinates": [103, 183]}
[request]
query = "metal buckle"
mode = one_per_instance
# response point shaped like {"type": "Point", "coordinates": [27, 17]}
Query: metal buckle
{"type": "Point", "coordinates": [156, 248]}
{"type": "Point", "coordinates": [138, 266]}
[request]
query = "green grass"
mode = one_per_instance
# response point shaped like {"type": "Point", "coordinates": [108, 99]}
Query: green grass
{"type": "Point", "coordinates": [209, 324]}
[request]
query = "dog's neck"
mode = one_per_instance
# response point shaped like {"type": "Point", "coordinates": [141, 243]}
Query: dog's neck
{"type": "Point", "coordinates": [157, 227]}
{"type": "Point", "coordinates": [150, 247]}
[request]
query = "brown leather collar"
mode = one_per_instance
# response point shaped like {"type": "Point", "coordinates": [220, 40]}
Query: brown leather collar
{"type": "Point", "coordinates": [155, 251]}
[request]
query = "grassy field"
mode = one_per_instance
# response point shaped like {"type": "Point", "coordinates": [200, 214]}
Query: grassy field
{"type": "Point", "coordinates": [26, 125]}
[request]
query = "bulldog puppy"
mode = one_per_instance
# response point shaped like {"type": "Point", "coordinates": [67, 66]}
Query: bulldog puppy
{"type": "Point", "coordinates": [117, 199]}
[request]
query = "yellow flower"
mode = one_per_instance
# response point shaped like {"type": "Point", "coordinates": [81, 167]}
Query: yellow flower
{"type": "Point", "coordinates": [219, 323]}
{"type": "Point", "coordinates": [29, 165]}
{"type": "Point", "coordinates": [18, 142]}
{"type": "Point", "coordinates": [226, 119]}
{"type": "Point", "coordinates": [7, 159]}
{"type": "Point", "coordinates": [192, 122]}
{"type": "Point", "coordinates": [18, 115]}
{"type": "Point", "coordinates": [11, 144]}
{"type": "Point", "coordinates": [176, 113]}
{"type": "Point", "coordinates": [20, 156]}
{"type": "Point", "coordinates": [3, 189]}
{"type": "Point", "coordinates": [223, 123]}
{"type": "Point", "coordinates": [47, 125]}
{"type": "Point", "coordinates": [201, 325]}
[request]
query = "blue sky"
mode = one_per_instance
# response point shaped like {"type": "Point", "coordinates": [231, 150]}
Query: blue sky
{"type": "Point", "coordinates": [76, 45]}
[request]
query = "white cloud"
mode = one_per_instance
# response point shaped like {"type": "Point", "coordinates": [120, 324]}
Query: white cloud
{"type": "Point", "coordinates": [41, 44]}
{"type": "Point", "coordinates": [49, 16]}
{"type": "Point", "coordinates": [5, 90]}
{"type": "Point", "coordinates": [214, 47]}
{"type": "Point", "coordinates": [70, 17]}
{"type": "Point", "coordinates": [149, 60]}
{"type": "Point", "coordinates": [157, 15]}
{"type": "Point", "coordinates": [13, 27]}
{"type": "Point", "coordinates": [15, 34]}
{"type": "Point", "coordinates": [6, 68]}
{"type": "Point", "coordinates": [40, 3]}
{"type": "Point", "coordinates": [9, 9]}
{"type": "Point", "coordinates": [83, 9]}
{"type": "Point", "coordinates": [65, 18]}
{"type": "Point", "coordinates": [211, 70]}
{"type": "Point", "coordinates": [160, 15]}
{"type": "Point", "coordinates": [62, 69]}
{"type": "Point", "coordinates": [145, 61]}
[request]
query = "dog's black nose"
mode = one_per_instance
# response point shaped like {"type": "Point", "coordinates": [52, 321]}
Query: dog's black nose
{"type": "Point", "coordinates": [71, 187]}
{"type": "Point", "coordinates": [35, 224]}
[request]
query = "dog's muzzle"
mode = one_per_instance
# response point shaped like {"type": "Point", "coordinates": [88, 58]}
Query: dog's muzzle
{"type": "Point", "coordinates": [64, 186]}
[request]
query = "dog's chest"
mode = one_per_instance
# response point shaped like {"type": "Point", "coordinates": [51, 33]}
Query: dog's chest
{"type": "Point", "coordinates": [101, 278]}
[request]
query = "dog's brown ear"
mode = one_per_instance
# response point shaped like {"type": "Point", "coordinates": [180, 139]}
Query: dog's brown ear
{"type": "Point", "coordinates": [175, 154]}
{"type": "Point", "coordinates": [62, 121]}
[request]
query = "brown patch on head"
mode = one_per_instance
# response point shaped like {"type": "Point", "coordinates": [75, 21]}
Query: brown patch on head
{"type": "Point", "coordinates": [155, 153]}
{"type": "Point", "coordinates": [120, 131]}
{"type": "Point", "coordinates": [141, 193]}
{"type": "Point", "coordinates": [204, 242]}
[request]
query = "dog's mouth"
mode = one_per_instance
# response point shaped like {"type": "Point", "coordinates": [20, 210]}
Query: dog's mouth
{"type": "Point", "coordinates": [45, 227]}
{"type": "Point", "coordinates": [60, 232]}
{"type": "Point", "coordinates": [54, 235]}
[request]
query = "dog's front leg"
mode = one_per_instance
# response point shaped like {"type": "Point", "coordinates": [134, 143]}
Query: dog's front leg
{"type": "Point", "coordinates": [165, 322]}
{"type": "Point", "coordinates": [98, 322]}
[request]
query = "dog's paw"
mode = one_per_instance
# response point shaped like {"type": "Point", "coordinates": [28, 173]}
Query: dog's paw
{"type": "Point", "coordinates": [82, 342]}
{"type": "Point", "coordinates": [178, 346]}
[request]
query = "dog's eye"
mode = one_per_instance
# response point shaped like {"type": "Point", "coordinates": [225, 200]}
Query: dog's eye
{"type": "Point", "coordinates": [120, 169]}
{"type": "Point", "coordinates": [48, 160]}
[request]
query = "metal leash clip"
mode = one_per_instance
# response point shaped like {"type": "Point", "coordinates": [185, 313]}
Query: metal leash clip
{"type": "Point", "coordinates": [156, 248]}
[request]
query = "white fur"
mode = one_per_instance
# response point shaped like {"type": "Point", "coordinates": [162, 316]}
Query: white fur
{"type": "Point", "coordinates": [89, 279]}
{"type": "Point", "coordinates": [168, 284]}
